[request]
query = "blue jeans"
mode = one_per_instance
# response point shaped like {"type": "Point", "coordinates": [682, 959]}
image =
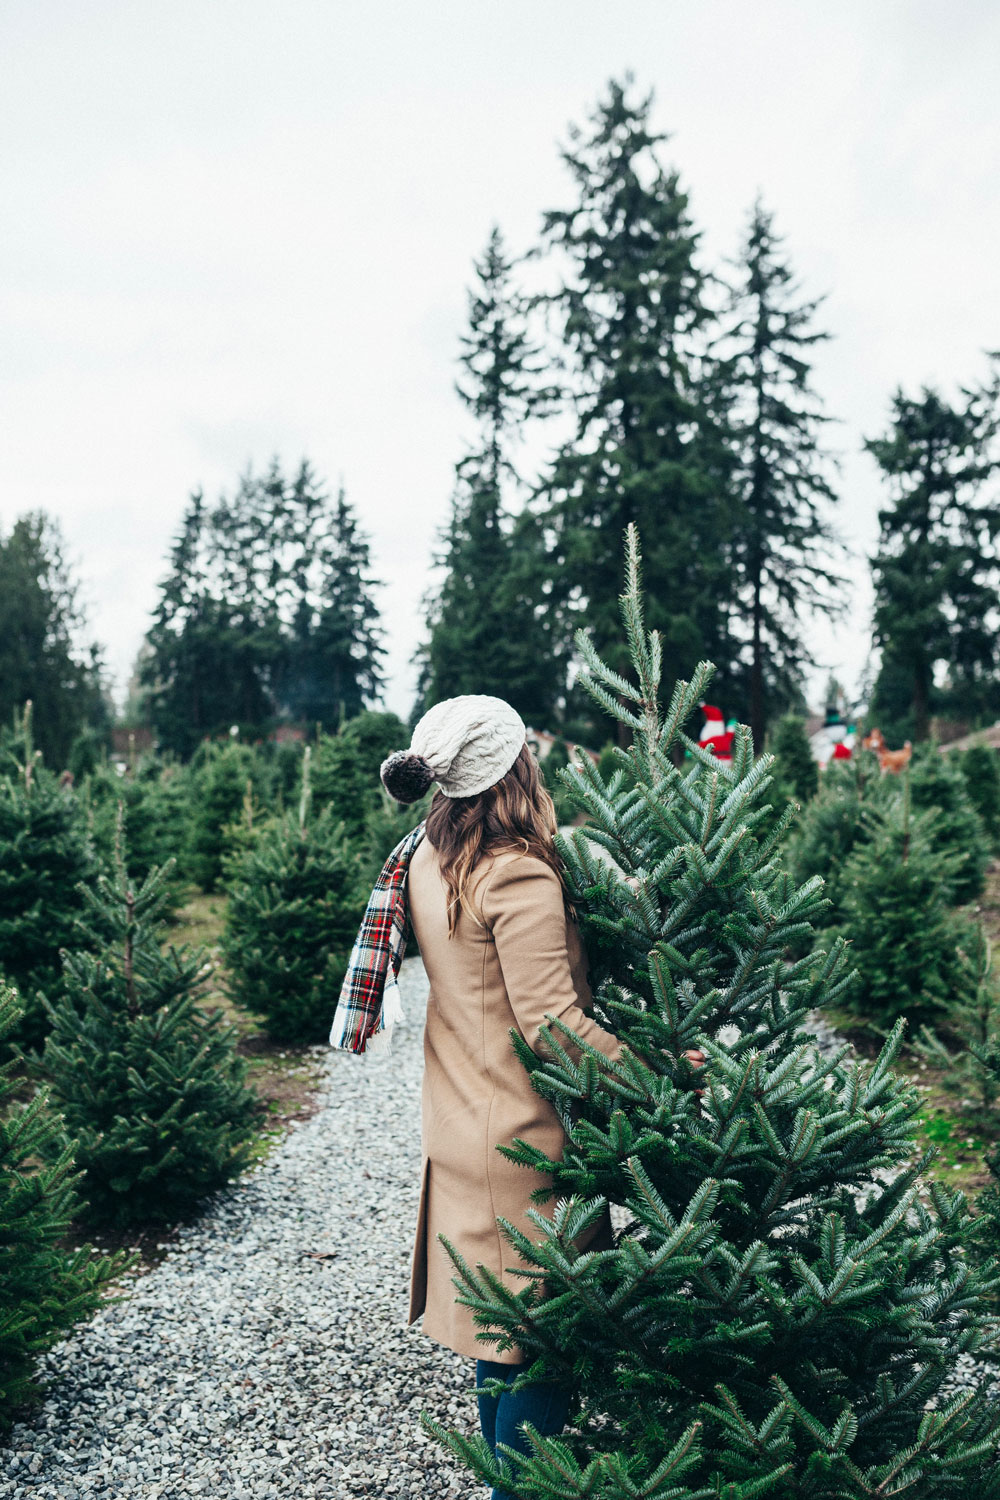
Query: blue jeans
{"type": "Point", "coordinates": [546, 1407]}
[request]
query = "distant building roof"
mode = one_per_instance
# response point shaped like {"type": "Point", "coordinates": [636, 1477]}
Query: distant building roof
{"type": "Point", "coordinates": [543, 742]}
{"type": "Point", "coordinates": [989, 737]}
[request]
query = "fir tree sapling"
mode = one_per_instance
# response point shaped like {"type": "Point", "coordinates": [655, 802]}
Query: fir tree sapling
{"type": "Point", "coordinates": [965, 1044]}
{"type": "Point", "coordinates": [982, 782]}
{"type": "Point", "coordinates": [386, 824]}
{"type": "Point", "coordinates": [218, 797]}
{"type": "Point", "coordinates": [833, 824]}
{"type": "Point", "coordinates": [781, 1312]}
{"type": "Point", "coordinates": [296, 899]}
{"type": "Point", "coordinates": [156, 801]}
{"type": "Point", "coordinates": [794, 764]}
{"type": "Point", "coordinates": [562, 799]}
{"type": "Point", "coordinates": [44, 1288]}
{"type": "Point", "coordinates": [906, 942]}
{"type": "Point", "coordinates": [936, 781]}
{"type": "Point", "coordinates": [345, 775]}
{"type": "Point", "coordinates": [45, 854]}
{"type": "Point", "coordinates": [148, 1081]}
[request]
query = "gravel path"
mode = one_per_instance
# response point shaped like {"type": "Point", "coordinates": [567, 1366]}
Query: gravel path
{"type": "Point", "coordinates": [241, 1366]}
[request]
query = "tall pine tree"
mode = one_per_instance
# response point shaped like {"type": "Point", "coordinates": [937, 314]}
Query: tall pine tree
{"type": "Point", "coordinates": [782, 543]}
{"type": "Point", "coordinates": [267, 612]}
{"type": "Point", "coordinates": [780, 1312]}
{"type": "Point", "coordinates": [937, 568]}
{"type": "Point", "coordinates": [41, 655]}
{"type": "Point", "coordinates": [333, 659]}
{"type": "Point", "coordinates": [645, 448]}
{"type": "Point", "coordinates": [489, 630]}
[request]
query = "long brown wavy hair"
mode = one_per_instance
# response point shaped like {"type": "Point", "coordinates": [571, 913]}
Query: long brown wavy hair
{"type": "Point", "coordinates": [515, 813]}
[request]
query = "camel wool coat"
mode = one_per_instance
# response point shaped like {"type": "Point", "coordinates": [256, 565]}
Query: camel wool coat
{"type": "Point", "coordinates": [524, 959]}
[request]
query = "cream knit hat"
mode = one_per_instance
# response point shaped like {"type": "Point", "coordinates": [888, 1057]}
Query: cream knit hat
{"type": "Point", "coordinates": [465, 744]}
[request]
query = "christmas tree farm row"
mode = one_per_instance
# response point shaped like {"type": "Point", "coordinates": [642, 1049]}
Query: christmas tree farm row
{"type": "Point", "coordinates": [124, 1097]}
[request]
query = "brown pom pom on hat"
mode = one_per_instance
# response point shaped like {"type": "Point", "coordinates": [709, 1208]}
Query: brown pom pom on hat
{"type": "Point", "coordinates": [465, 744]}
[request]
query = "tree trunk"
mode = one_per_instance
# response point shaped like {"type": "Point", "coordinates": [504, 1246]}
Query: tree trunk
{"type": "Point", "coordinates": [921, 705]}
{"type": "Point", "coordinates": [757, 718]}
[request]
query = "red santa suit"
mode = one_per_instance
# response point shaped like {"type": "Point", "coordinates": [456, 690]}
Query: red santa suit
{"type": "Point", "coordinates": [714, 734]}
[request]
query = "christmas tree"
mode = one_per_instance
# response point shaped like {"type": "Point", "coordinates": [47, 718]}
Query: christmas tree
{"type": "Point", "coordinates": [296, 898]}
{"type": "Point", "coordinates": [149, 1083]}
{"type": "Point", "coordinates": [906, 942]}
{"type": "Point", "coordinates": [834, 824]}
{"type": "Point", "coordinates": [44, 1288]}
{"type": "Point", "coordinates": [965, 1044]}
{"type": "Point", "coordinates": [794, 764]}
{"type": "Point", "coordinates": [387, 823]}
{"type": "Point", "coordinates": [345, 776]}
{"type": "Point", "coordinates": [937, 781]}
{"type": "Point", "coordinates": [157, 806]}
{"type": "Point", "coordinates": [982, 782]}
{"type": "Point", "coordinates": [219, 791]}
{"type": "Point", "coordinates": [782, 1310]}
{"type": "Point", "coordinates": [45, 854]}
{"type": "Point", "coordinates": [562, 799]}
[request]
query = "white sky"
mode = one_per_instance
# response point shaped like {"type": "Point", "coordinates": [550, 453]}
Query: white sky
{"type": "Point", "coordinates": [233, 230]}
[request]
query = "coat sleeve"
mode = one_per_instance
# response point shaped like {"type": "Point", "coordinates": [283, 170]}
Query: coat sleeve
{"type": "Point", "coordinates": [523, 908]}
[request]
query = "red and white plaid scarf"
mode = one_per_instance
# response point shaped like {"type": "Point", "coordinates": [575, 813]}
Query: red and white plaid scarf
{"type": "Point", "coordinates": [369, 1004]}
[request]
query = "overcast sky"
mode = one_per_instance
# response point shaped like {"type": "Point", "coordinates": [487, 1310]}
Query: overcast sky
{"type": "Point", "coordinates": [233, 230]}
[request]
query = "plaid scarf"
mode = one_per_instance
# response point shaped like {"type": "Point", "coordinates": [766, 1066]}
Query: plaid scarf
{"type": "Point", "coordinates": [369, 1004]}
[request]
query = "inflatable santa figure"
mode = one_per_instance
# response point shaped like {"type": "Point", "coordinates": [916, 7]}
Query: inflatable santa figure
{"type": "Point", "coordinates": [714, 734]}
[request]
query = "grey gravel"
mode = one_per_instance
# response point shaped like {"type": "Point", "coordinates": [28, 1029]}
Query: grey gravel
{"type": "Point", "coordinates": [243, 1366]}
{"type": "Point", "coordinates": [267, 1355]}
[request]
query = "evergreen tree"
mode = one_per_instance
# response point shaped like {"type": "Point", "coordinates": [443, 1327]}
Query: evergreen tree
{"type": "Point", "coordinates": [936, 781]}
{"type": "Point", "coordinates": [41, 623]}
{"type": "Point", "coordinates": [346, 777]}
{"type": "Point", "coordinates": [965, 1043]}
{"type": "Point", "coordinates": [978, 765]}
{"type": "Point", "coordinates": [794, 764]}
{"type": "Point", "coordinates": [156, 800]}
{"type": "Point", "coordinates": [197, 673]}
{"type": "Point", "coordinates": [780, 1312]}
{"type": "Point", "coordinates": [386, 824]}
{"type": "Point", "coordinates": [936, 568]}
{"type": "Point", "coordinates": [333, 664]}
{"type": "Point", "coordinates": [44, 1288]}
{"type": "Point", "coordinates": [45, 854]}
{"type": "Point", "coordinates": [906, 942]}
{"type": "Point", "coordinates": [833, 824]}
{"type": "Point", "coordinates": [782, 546]}
{"type": "Point", "coordinates": [296, 899]}
{"type": "Point", "coordinates": [489, 632]}
{"type": "Point", "coordinates": [562, 797]}
{"type": "Point", "coordinates": [148, 1082]}
{"type": "Point", "coordinates": [646, 445]}
{"type": "Point", "coordinates": [267, 612]}
{"type": "Point", "coordinates": [219, 789]}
